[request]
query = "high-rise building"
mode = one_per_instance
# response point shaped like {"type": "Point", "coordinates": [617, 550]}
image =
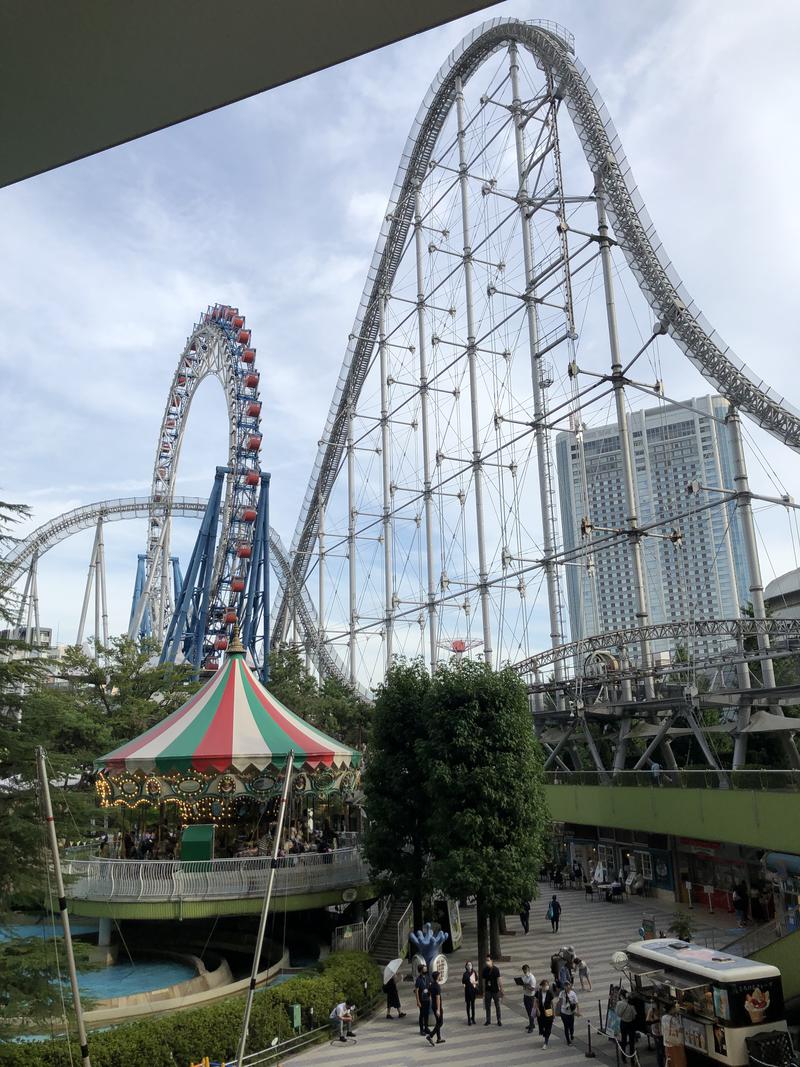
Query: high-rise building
{"type": "Point", "coordinates": [702, 576]}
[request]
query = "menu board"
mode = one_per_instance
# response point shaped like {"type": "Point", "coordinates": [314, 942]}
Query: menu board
{"type": "Point", "coordinates": [694, 1035]}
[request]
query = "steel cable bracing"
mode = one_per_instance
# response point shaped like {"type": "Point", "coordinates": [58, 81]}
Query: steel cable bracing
{"type": "Point", "coordinates": [552, 48]}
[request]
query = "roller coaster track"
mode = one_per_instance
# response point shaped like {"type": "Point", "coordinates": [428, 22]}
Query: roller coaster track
{"type": "Point", "coordinates": [49, 534]}
{"type": "Point", "coordinates": [737, 629]}
{"type": "Point", "coordinates": [553, 49]}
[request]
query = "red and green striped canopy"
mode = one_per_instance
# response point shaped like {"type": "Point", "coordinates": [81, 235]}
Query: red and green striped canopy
{"type": "Point", "coordinates": [231, 724]}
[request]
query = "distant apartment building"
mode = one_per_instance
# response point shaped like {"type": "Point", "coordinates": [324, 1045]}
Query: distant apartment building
{"type": "Point", "coordinates": [705, 575]}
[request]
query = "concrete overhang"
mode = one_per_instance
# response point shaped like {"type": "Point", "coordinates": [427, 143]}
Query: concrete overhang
{"type": "Point", "coordinates": [80, 76]}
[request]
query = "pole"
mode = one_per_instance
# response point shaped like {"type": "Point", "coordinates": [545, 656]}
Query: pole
{"type": "Point", "coordinates": [477, 463]}
{"type": "Point", "coordinates": [351, 545]}
{"type": "Point", "coordinates": [744, 507]}
{"type": "Point", "coordinates": [262, 926]}
{"type": "Point", "coordinates": [88, 589]}
{"type": "Point", "coordinates": [62, 903]}
{"type": "Point", "coordinates": [321, 590]}
{"type": "Point", "coordinates": [540, 434]}
{"type": "Point", "coordinates": [617, 382]}
{"type": "Point", "coordinates": [426, 447]}
{"type": "Point", "coordinates": [386, 478]}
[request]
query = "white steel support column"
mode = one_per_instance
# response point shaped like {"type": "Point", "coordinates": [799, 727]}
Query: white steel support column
{"type": "Point", "coordinates": [744, 507]}
{"type": "Point", "coordinates": [617, 381]}
{"type": "Point", "coordinates": [388, 575]}
{"type": "Point", "coordinates": [32, 622]}
{"type": "Point", "coordinates": [321, 590]}
{"type": "Point", "coordinates": [426, 447]}
{"type": "Point", "coordinates": [88, 590]}
{"type": "Point", "coordinates": [541, 436]}
{"type": "Point", "coordinates": [100, 578]}
{"type": "Point", "coordinates": [477, 470]}
{"type": "Point", "coordinates": [351, 546]}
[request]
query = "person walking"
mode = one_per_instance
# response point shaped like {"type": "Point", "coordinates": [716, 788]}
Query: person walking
{"type": "Point", "coordinates": [568, 1009]}
{"type": "Point", "coordinates": [554, 913]}
{"type": "Point", "coordinates": [469, 979]}
{"type": "Point", "coordinates": [393, 998]}
{"type": "Point", "coordinates": [525, 916]}
{"type": "Point", "coordinates": [626, 1013]}
{"type": "Point", "coordinates": [438, 1010]}
{"type": "Point", "coordinates": [528, 994]}
{"type": "Point", "coordinates": [492, 991]}
{"type": "Point", "coordinates": [545, 1010]}
{"type": "Point", "coordinates": [583, 973]}
{"type": "Point", "coordinates": [422, 994]}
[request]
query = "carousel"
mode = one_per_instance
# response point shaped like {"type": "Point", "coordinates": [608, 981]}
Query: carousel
{"type": "Point", "coordinates": [222, 759]}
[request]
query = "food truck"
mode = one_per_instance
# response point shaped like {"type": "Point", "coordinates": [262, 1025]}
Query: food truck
{"type": "Point", "coordinates": [709, 1002]}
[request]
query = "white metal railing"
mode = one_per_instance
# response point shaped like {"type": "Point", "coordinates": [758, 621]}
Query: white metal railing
{"type": "Point", "coordinates": [403, 930]}
{"type": "Point", "coordinates": [361, 936]}
{"type": "Point", "coordinates": [135, 880]}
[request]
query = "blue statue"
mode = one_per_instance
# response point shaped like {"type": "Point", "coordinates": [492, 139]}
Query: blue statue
{"type": "Point", "coordinates": [427, 943]}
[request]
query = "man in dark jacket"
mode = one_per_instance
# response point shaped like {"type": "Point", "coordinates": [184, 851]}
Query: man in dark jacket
{"type": "Point", "coordinates": [492, 990]}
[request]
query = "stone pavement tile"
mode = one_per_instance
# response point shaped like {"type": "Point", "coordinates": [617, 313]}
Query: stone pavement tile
{"type": "Point", "coordinates": [594, 928]}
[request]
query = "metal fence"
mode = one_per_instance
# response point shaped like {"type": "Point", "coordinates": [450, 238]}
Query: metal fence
{"type": "Point", "coordinates": [404, 929]}
{"type": "Point", "coordinates": [361, 936]}
{"type": "Point", "coordinates": [135, 880]}
{"type": "Point", "coordinates": [756, 779]}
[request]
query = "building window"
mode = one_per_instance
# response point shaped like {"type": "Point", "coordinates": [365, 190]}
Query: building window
{"type": "Point", "coordinates": [643, 864]}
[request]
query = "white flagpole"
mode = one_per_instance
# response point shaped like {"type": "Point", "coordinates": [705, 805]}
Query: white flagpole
{"type": "Point", "coordinates": [262, 926]}
{"type": "Point", "coordinates": [62, 905]}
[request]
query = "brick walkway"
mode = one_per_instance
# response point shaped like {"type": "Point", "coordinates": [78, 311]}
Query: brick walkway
{"type": "Point", "coordinates": [594, 928]}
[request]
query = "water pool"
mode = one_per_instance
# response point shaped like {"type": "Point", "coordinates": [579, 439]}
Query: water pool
{"type": "Point", "coordinates": [124, 978]}
{"type": "Point", "coordinates": [43, 929]}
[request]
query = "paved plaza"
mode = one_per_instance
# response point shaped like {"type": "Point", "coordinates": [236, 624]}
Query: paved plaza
{"type": "Point", "coordinates": [594, 928]}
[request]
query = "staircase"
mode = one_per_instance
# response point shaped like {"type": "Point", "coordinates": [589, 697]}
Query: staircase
{"type": "Point", "coordinates": [385, 948]}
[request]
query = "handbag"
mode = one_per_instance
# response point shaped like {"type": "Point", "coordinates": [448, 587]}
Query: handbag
{"type": "Point", "coordinates": [548, 1012]}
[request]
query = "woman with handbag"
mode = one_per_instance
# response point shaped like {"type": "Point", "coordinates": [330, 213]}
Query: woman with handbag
{"type": "Point", "coordinates": [469, 980]}
{"type": "Point", "coordinates": [545, 1010]}
{"type": "Point", "coordinates": [568, 1009]}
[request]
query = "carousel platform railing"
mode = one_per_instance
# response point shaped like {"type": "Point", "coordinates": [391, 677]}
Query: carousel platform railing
{"type": "Point", "coordinates": [141, 880]}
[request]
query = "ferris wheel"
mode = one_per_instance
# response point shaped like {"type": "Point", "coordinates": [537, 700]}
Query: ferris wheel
{"type": "Point", "coordinates": [219, 346]}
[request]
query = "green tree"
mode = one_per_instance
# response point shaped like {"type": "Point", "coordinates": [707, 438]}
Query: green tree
{"type": "Point", "coordinates": [397, 841]}
{"type": "Point", "coordinates": [483, 767]}
{"type": "Point", "coordinates": [289, 680]}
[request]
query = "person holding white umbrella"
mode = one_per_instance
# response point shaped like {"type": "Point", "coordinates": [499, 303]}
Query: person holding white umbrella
{"type": "Point", "coordinates": [390, 988]}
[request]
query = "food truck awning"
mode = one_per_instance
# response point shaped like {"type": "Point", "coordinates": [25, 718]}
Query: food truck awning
{"type": "Point", "coordinates": [642, 969]}
{"type": "Point", "coordinates": [685, 982]}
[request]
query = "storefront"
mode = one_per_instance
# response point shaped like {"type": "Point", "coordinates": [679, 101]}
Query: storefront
{"type": "Point", "coordinates": [783, 872]}
{"type": "Point", "coordinates": [603, 850]}
{"type": "Point", "coordinates": [710, 870]}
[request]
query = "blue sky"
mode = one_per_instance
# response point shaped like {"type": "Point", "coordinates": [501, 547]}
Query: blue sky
{"type": "Point", "coordinates": [274, 205]}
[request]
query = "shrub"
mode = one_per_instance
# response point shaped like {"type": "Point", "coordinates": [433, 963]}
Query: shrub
{"type": "Point", "coordinates": [183, 1037]}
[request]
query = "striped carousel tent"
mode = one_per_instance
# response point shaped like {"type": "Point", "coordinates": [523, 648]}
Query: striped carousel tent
{"type": "Point", "coordinates": [231, 727]}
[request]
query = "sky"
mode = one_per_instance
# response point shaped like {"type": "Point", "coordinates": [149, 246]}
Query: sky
{"type": "Point", "coordinates": [274, 205]}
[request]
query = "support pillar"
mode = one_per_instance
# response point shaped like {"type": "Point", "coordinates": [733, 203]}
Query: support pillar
{"type": "Point", "coordinates": [744, 507]}
{"type": "Point", "coordinates": [477, 463]}
{"type": "Point", "coordinates": [351, 546]}
{"type": "Point", "coordinates": [541, 435]}
{"type": "Point", "coordinates": [422, 342]}
{"type": "Point", "coordinates": [386, 478]}
{"type": "Point", "coordinates": [617, 381]}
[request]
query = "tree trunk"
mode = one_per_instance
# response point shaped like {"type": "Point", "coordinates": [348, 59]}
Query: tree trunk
{"type": "Point", "coordinates": [483, 940]}
{"type": "Point", "coordinates": [503, 928]}
{"type": "Point", "coordinates": [494, 936]}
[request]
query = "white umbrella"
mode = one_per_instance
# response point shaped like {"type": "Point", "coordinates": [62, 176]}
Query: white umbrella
{"type": "Point", "coordinates": [391, 969]}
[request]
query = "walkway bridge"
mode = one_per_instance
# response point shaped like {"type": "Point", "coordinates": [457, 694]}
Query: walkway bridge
{"type": "Point", "coordinates": [197, 889]}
